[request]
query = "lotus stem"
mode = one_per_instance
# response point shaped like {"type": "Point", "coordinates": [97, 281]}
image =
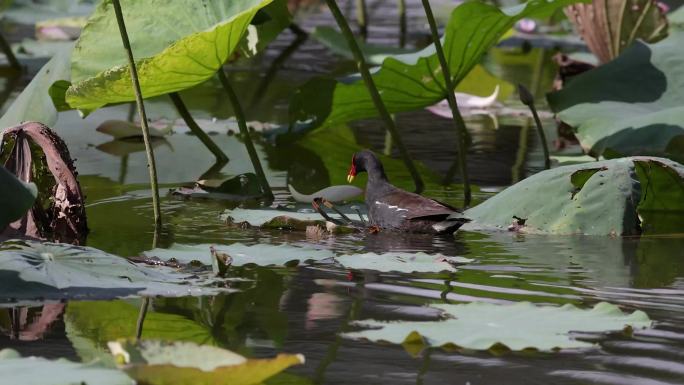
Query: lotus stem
{"type": "Point", "coordinates": [387, 150]}
{"type": "Point", "coordinates": [196, 129]}
{"type": "Point", "coordinates": [401, 7]}
{"type": "Point", "coordinates": [375, 95]}
{"type": "Point", "coordinates": [459, 123]}
{"type": "Point", "coordinates": [7, 50]}
{"type": "Point", "coordinates": [151, 165]}
{"type": "Point", "coordinates": [362, 18]}
{"type": "Point", "coordinates": [242, 124]}
{"type": "Point", "coordinates": [141, 315]}
{"type": "Point", "coordinates": [527, 99]}
{"type": "Point", "coordinates": [518, 167]}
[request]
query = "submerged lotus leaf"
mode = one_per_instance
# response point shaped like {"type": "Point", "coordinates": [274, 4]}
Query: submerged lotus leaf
{"type": "Point", "coordinates": [99, 322]}
{"type": "Point", "coordinates": [481, 326]}
{"type": "Point", "coordinates": [260, 254]}
{"type": "Point", "coordinates": [176, 45]}
{"type": "Point", "coordinates": [34, 103]}
{"type": "Point", "coordinates": [16, 197]}
{"type": "Point", "coordinates": [633, 105]}
{"type": "Point", "coordinates": [414, 81]}
{"type": "Point", "coordinates": [40, 371]}
{"type": "Point", "coordinates": [31, 269]}
{"type": "Point", "coordinates": [270, 218]}
{"type": "Point", "coordinates": [599, 198]}
{"type": "Point", "coordinates": [185, 363]}
{"type": "Point", "coordinates": [401, 262]}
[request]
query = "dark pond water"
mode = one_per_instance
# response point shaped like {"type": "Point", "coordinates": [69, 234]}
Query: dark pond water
{"type": "Point", "coordinates": [304, 309]}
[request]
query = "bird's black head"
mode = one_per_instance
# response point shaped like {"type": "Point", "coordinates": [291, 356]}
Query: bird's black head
{"type": "Point", "coordinates": [366, 161]}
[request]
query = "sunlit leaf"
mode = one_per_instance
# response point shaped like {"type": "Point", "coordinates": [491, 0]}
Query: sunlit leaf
{"type": "Point", "coordinates": [176, 46]}
{"type": "Point", "coordinates": [184, 363]}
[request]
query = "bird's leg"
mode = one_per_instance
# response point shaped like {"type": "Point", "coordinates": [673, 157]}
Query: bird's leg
{"type": "Point", "coordinates": [363, 221]}
{"type": "Point", "coordinates": [316, 203]}
{"type": "Point", "coordinates": [331, 206]}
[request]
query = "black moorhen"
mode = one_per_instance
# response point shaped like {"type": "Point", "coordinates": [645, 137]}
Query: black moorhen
{"type": "Point", "coordinates": [392, 208]}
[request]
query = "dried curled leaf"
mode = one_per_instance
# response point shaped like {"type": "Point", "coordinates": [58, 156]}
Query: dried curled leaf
{"type": "Point", "coordinates": [609, 26]}
{"type": "Point", "coordinates": [34, 153]}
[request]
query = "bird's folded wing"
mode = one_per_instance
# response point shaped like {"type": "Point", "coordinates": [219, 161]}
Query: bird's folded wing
{"type": "Point", "coordinates": [413, 206]}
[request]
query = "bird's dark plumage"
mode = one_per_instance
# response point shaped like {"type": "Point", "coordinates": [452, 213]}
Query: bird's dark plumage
{"type": "Point", "coordinates": [392, 208]}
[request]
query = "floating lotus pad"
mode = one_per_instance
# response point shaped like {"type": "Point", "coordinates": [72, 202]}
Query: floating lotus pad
{"type": "Point", "coordinates": [30, 270]}
{"type": "Point", "coordinates": [481, 326]}
{"type": "Point", "coordinates": [18, 370]}
{"type": "Point", "coordinates": [401, 262]}
{"type": "Point", "coordinates": [281, 255]}
{"type": "Point", "coordinates": [280, 219]}
{"type": "Point", "coordinates": [260, 254]}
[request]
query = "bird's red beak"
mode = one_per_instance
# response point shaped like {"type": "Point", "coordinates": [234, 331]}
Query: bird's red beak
{"type": "Point", "coordinates": [352, 172]}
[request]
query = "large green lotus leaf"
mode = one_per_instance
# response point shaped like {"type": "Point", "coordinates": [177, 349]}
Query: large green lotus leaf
{"type": "Point", "coordinates": [176, 45]}
{"type": "Point", "coordinates": [40, 371]}
{"type": "Point", "coordinates": [414, 81]}
{"type": "Point", "coordinates": [260, 254]}
{"type": "Point", "coordinates": [482, 326]}
{"type": "Point", "coordinates": [599, 198]}
{"type": "Point", "coordinates": [402, 262]}
{"type": "Point", "coordinates": [184, 363]}
{"type": "Point", "coordinates": [16, 197]}
{"type": "Point", "coordinates": [477, 82]}
{"type": "Point", "coordinates": [633, 105]}
{"type": "Point", "coordinates": [30, 270]}
{"type": "Point", "coordinates": [34, 103]}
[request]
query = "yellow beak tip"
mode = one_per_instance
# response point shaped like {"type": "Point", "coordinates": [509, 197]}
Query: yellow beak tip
{"type": "Point", "coordinates": [350, 178]}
